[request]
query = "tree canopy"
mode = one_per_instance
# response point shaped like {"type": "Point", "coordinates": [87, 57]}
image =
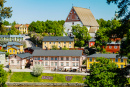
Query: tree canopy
{"type": "Point", "coordinates": [81, 35]}
{"type": "Point", "coordinates": [105, 73]}
{"type": "Point", "coordinates": [3, 76]}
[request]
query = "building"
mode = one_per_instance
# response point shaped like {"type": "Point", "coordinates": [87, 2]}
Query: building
{"type": "Point", "coordinates": [121, 62]}
{"type": "Point", "coordinates": [14, 47]}
{"type": "Point", "coordinates": [31, 49]}
{"type": "Point", "coordinates": [58, 59]}
{"type": "Point", "coordinates": [19, 61]}
{"type": "Point", "coordinates": [60, 42]}
{"type": "Point", "coordinates": [0, 47]}
{"type": "Point", "coordinates": [23, 28]}
{"type": "Point", "coordinates": [91, 42]}
{"type": "Point", "coordinates": [2, 57]}
{"type": "Point", "coordinates": [83, 17]}
{"type": "Point", "coordinates": [11, 37]}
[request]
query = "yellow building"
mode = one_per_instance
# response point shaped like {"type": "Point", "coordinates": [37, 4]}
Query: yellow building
{"type": "Point", "coordinates": [14, 47]}
{"type": "Point", "coordinates": [121, 62]}
{"type": "Point", "coordinates": [23, 28]}
{"type": "Point", "coordinates": [60, 42]}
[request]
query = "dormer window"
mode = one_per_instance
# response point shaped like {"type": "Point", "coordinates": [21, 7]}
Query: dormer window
{"type": "Point", "coordinates": [68, 18]}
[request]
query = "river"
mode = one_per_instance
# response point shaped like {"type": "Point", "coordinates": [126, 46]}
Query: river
{"type": "Point", "coordinates": [45, 86]}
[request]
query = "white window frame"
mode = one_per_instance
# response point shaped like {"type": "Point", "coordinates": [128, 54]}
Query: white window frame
{"type": "Point", "coordinates": [115, 47]}
{"type": "Point", "coordinates": [110, 47]}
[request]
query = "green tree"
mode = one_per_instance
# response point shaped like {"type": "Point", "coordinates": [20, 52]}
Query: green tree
{"type": "Point", "coordinates": [54, 47]}
{"type": "Point", "coordinates": [105, 73]}
{"type": "Point", "coordinates": [14, 31]}
{"type": "Point", "coordinates": [6, 22]}
{"type": "Point", "coordinates": [5, 12]}
{"type": "Point", "coordinates": [3, 76]}
{"type": "Point", "coordinates": [81, 35]}
{"type": "Point", "coordinates": [3, 30]}
{"type": "Point", "coordinates": [65, 48]}
{"type": "Point", "coordinates": [14, 23]}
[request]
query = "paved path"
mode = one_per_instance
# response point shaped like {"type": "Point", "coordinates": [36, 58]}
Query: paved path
{"type": "Point", "coordinates": [47, 71]}
{"type": "Point", "coordinates": [28, 42]}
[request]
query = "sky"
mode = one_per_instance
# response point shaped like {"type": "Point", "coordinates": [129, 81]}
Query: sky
{"type": "Point", "coordinates": [26, 11]}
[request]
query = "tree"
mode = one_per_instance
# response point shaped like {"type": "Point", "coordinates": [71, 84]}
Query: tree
{"type": "Point", "coordinates": [37, 70]}
{"type": "Point", "coordinates": [14, 23]}
{"type": "Point", "coordinates": [3, 30]}
{"type": "Point", "coordinates": [81, 35]}
{"type": "Point", "coordinates": [54, 47]}
{"type": "Point", "coordinates": [65, 48]}
{"type": "Point", "coordinates": [6, 22]}
{"type": "Point", "coordinates": [105, 73]}
{"type": "Point", "coordinates": [14, 31]}
{"type": "Point", "coordinates": [5, 12]}
{"type": "Point", "coordinates": [3, 76]}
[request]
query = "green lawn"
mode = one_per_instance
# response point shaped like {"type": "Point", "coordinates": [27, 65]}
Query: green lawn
{"type": "Point", "coordinates": [27, 77]}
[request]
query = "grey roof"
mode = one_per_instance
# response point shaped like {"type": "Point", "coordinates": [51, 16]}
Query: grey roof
{"type": "Point", "coordinates": [15, 47]}
{"type": "Point", "coordinates": [4, 35]}
{"type": "Point", "coordinates": [24, 55]}
{"type": "Point", "coordinates": [0, 45]}
{"type": "Point", "coordinates": [105, 55]}
{"type": "Point", "coordinates": [92, 39]}
{"type": "Point", "coordinates": [4, 45]}
{"type": "Point", "coordinates": [56, 38]}
{"type": "Point", "coordinates": [13, 43]}
{"type": "Point", "coordinates": [57, 53]}
{"type": "Point", "coordinates": [2, 52]}
{"type": "Point", "coordinates": [114, 43]}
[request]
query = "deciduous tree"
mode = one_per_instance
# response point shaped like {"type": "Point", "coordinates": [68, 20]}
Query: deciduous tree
{"type": "Point", "coordinates": [3, 76]}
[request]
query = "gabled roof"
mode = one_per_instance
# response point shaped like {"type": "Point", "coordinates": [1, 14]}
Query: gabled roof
{"type": "Point", "coordinates": [105, 55]}
{"type": "Point", "coordinates": [4, 35]}
{"type": "Point", "coordinates": [4, 45]}
{"type": "Point", "coordinates": [92, 29]}
{"type": "Point", "coordinates": [15, 47]}
{"type": "Point", "coordinates": [2, 52]}
{"type": "Point", "coordinates": [57, 53]}
{"type": "Point", "coordinates": [13, 43]}
{"type": "Point", "coordinates": [24, 55]}
{"type": "Point", "coordinates": [86, 16]}
{"type": "Point", "coordinates": [92, 39]}
{"type": "Point", "coordinates": [56, 38]}
{"type": "Point", "coordinates": [18, 25]}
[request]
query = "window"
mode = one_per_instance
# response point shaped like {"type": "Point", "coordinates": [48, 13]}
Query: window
{"type": "Point", "coordinates": [13, 51]}
{"type": "Point", "coordinates": [35, 58]}
{"type": "Point", "coordinates": [91, 44]}
{"type": "Point", "coordinates": [69, 46]}
{"type": "Point", "coordinates": [77, 64]}
{"type": "Point", "coordinates": [67, 59]}
{"type": "Point", "coordinates": [116, 60]}
{"type": "Point", "coordinates": [44, 42]}
{"type": "Point", "coordinates": [46, 58]}
{"type": "Point", "coordinates": [67, 64]}
{"type": "Point", "coordinates": [90, 59]}
{"type": "Point", "coordinates": [35, 63]}
{"type": "Point", "coordinates": [69, 42]}
{"type": "Point", "coordinates": [68, 18]}
{"type": "Point", "coordinates": [51, 63]}
{"type": "Point", "coordinates": [51, 58]}
{"type": "Point", "coordinates": [73, 64]}
{"type": "Point", "coordinates": [64, 42]}
{"type": "Point", "coordinates": [62, 64]}
{"type": "Point", "coordinates": [121, 66]}
{"type": "Point", "coordinates": [12, 61]}
{"type": "Point", "coordinates": [73, 59]}
{"type": "Point", "coordinates": [115, 47]}
{"type": "Point", "coordinates": [55, 58]}
{"type": "Point", "coordinates": [46, 63]}
{"type": "Point", "coordinates": [117, 65]}
{"type": "Point", "coordinates": [53, 42]}
{"type": "Point", "coordinates": [17, 62]}
{"type": "Point", "coordinates": [42, 63]}
{"type": "Point", "coordinates": [59, 42]}
{"type": "Point", "coordinates": [59, 46]}
{"type": "Point", "coordinates": [121, 60]}
{"type": "Point", "coordinates": [110, 47]}
{"type": "Point", "coordinates": [42, 58]}
{"type": "Point", "coordinates": [55, 63]}
{"type": "Point", "coordinates": [10, 51]}
{"type": "Point", "coordinates": [77, 59]}
{"type": "Point", "coordinates": [38, 58]}
{"type": "Point", "coordinates": [61, 58]}
{"type": "Point", "coordinates": [38, 63]}
{"type": "Point", "coordinates": [50, 42]}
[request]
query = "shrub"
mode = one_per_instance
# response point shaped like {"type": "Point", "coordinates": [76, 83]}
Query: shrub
{"type": "Point", "coordinates": [104, 51]}
{"type": "Point", "coordinates": [37, 70]}
{"type": "Point", "coordinates": [92, 46]}
{"type": "Point", "coordinates": [54, 47]}
{"type": "Point", "coordinates": [98, 49]}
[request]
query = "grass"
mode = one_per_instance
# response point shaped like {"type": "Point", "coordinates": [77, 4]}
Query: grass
{"type": "Point", "coordinates": [57, 78]}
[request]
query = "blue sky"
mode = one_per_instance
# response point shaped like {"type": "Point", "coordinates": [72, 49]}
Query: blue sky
{"type": "Point", "coordinates": [26, 11]}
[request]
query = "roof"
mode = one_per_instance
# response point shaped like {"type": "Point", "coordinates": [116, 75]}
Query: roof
{"type": "Point", "coordinates": [114, 43]}
{"type": "Point", "coordinates": [4, 45]}
{"type": "Point", "coordinates": [24, 55]}
{"type": "Point", "coordinates": [56, 38]}
{"type": "Point", "coordinates": [86, 16]}
{"type": "Point", "coordinates": [17, 25]}
{"type": "Point", "coordinates": [92, 39]}
{"type": "Point", "coordinates": [2, 52]}
{"type": "Point", "coordinates": [11, 35]}
{"type": "Point", "coordinates": [57, 53]}
{"type": "Point", "coordinates": [13, 43]}
{"type": "Point", "coordinates": [15, 47]}
{"type": "Point", "coordinates": [93, 29]}
{"type": "Point", "coordinates": [105, 55]}
{"type": "Point", "coordinates": [4, 35]}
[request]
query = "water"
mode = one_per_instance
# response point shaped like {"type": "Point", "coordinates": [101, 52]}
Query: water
{"type": "Point", "coordinates": [45, 86]}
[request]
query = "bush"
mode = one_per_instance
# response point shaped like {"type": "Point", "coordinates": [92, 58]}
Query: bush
{"type": "Point", "coordinates": [98, 49]}
{"type": "Point", "coordinates": [54, 47]}
{"type": "Point", "coordinates": [92, 46]}
{"type": "Point", "coordinates": [104, 51]}
{"type": "Point", "coordinates": [37, 70]}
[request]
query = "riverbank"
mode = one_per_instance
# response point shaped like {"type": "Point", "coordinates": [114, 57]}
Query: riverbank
{"type": "Point", "coordinates": [46, 77]}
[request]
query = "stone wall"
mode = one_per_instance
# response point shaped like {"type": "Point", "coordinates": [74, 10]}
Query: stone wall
{"type": "Point", "coordinates": [47, 84]}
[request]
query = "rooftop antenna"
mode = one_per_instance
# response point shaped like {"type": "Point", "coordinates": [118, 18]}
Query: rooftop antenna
{"type": "Point", "coordinates": [72, 4]}
{"type": "Point", "coordinates": [89, 7]}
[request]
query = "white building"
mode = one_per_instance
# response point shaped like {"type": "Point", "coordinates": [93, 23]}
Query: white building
{"type": "Point", "coordinates": [83, 17]}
